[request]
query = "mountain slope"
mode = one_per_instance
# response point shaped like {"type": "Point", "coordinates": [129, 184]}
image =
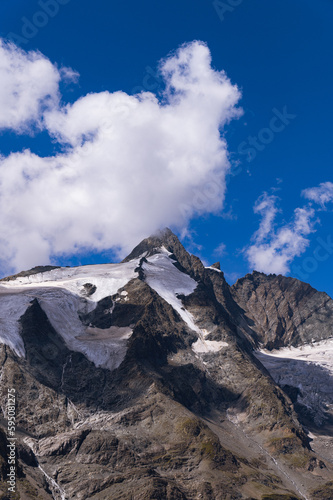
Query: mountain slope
{"type": "Point", "coordinates": [138, 380]}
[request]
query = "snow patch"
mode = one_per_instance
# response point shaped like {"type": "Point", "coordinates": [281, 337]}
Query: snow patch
{"type": "Point", "coordinates": [319, 353]}
{"type": "Point", "coordinates": [107, 278]}
{"type": "Point", "coordinates": [202, 346]}
{"type": "Point", "coordinates": [108, 345]}
{"type": "Point", "coordinates": [163, 277]}
{"type": "Point", "coordinates": [309, 368]}
{"type": "Point", "coordinates": [214, 269]}
{"type": "Point", "coordinates": [59, 293]}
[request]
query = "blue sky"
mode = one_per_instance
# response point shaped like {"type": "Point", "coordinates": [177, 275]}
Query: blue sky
{"type": "Point", "coordinates": [278, 53]}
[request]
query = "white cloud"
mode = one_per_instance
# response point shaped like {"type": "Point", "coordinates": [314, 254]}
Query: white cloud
{"type": "Point", "coordinates": [266, 207]}
{"type": "Point", "coordinates": [28, 85]}
{"type": "Point", "coordinates": [322, 194]}
{"type": "Point", "coordinates": [274, 249]}
{"type": "Point", "coordinates": [129, 163]}
{"type": "Point", "coordinates": [220, 249]}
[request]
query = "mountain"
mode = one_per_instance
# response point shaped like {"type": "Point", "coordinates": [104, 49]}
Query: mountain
{"type": "Point", "coordinates": [284, 311]}
{"type": "Point", "coordinates": [149, 379]}
{"type": "Point", "coordinates": [296, 321]}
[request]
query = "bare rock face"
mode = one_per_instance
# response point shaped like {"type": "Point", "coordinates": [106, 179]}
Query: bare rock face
{"type": "Point", "coordinates": [284, 311]}
{"type": "Point", "coordinates": [187, 412]}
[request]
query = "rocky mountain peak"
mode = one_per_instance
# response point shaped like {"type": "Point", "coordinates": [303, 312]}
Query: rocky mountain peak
{"type": "Point", "coordinates": [168, 240]}
{"type": "Point", "coordinates": [154, 243]}
{"type": "Point", "coordinates": [284, 310]}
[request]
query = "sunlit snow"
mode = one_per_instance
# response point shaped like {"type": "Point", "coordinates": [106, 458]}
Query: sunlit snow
{"type": "Point", "coordinates": [61, 295]}
{"type": "Point", "coordinates": [169, 282]}
{"type": "Point", "coordinates": [107, 278]}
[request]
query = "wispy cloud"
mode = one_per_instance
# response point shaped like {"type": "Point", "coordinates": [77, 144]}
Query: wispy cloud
{"type": "Point", "coordinates": [274, 248]}
{"type": "Point", "coordinates": [220, 250]}
{"type": "Point", "coordinates": [322, 195]}
{"type": "Point", "coordinates": [266, 207]}
{"type": "Point", "coordinates": [129, 162]}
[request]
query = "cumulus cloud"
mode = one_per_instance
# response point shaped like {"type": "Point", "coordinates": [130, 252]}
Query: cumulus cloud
{"type": "Point", "coordinates": [28, 85]}
{"type": "Point", "coordinates": [274, 248]}
{"type": "Point", "coordinates": [321, 195]}
{"type": "Point", "coordinates": [129, 164]}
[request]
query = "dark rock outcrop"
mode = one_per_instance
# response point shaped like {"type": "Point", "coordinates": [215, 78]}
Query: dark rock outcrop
{"type": "Point", "coordinates": [284, 311]}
